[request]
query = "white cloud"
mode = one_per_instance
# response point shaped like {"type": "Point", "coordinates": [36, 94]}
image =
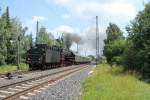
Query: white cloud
{"type": "Point", "coordinates": [62, 2]}
{"type": "Point", "coordinates": [65, 28]}
{"type": "Point", "coordinates": [31, 23]}
{"type": "Point", "coordinates": [66, 16]}
{"type": "Point", "coordinates": [88, 37]}
{"type": "Point", "coordinates": [57, 31]}
{"type": "Point", "coordinates": [125, 9]}
{"type": "Point", "coordinates": [38, 18]}
{"type": "Point", "coordinates": [116, 11]}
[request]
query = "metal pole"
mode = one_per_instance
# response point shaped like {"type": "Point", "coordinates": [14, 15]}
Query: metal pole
{"type": "Point", "coordinates": [37, 31]}
{"type": "Point", "coordinates": [85, 51]}
{"type": "Point", "coordinates": [77, 48]}
{"type": "Point", "coordinates": [97, 41]}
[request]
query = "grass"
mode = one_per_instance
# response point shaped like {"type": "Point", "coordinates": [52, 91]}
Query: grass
{"type": "Point", "coordinates": [108, 83]}
{"type": "Point", "coordinates": [11, 68]}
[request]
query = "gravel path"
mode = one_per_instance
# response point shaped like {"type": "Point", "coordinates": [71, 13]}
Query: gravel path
{"type": "Point", "coordinates": [68, 89]}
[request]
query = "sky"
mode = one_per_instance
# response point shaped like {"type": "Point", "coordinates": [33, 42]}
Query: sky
{"type": "Point", "coordinates": [74, 16]}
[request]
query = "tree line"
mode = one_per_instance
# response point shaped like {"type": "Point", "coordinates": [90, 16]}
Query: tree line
{"type": "Point", "coordinates": [15, 40]}
{"type": "Point", "coordinates": [12, 38]}
{"type": "Point", "coordinates": [131, 51]}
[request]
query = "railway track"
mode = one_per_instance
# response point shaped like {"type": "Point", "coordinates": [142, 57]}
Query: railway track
{"type": "Point", "coordinates": [21, 90]}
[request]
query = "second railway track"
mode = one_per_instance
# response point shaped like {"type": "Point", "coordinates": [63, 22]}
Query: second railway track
{"type": "Point", "coordinates": [18, 90]}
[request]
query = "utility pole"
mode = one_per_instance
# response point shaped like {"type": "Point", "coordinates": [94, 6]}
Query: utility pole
{"type": "Point", "coordinates": [37, 32]}
{"type": "Point", "coordinates": [97, 41]}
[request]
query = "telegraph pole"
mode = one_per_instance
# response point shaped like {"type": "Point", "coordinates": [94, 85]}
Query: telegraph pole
{"type": "Point", "coordinates": [97, 41]}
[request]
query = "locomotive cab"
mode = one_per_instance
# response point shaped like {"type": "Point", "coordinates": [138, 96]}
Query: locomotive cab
{"type": "Point", "coordinates": [43, 56]}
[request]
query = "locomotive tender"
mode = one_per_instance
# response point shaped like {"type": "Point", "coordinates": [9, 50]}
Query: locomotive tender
{"type": "Point", "coordinates": [42, 56]}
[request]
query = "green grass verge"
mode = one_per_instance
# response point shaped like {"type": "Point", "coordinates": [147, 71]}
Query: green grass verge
{"type": "Point", "coordinates": [108, 83]}
{"type": "Point", "coordinates": [23, 66]}
{"type": "Point", "coordinates": [11, 68]}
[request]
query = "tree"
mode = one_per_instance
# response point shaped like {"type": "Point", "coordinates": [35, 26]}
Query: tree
{"type": "Point", "coordinates": [139, 42]}
{"type": "Point", "coordinates": [4, 34]}
{"type": "Point", "coordinates": [26, 44]}
{"type": "Point", "coordinates": [15, 40]}
{"type": "Point", "coordinates": [12, 33]}
{"type": "Point", "coordinates": [92, 57]}
{"type": "Point", "coordinates": [44, 37]}
{"type": "Point", "coordinates": [59, 42]}
{"type": "Point", "coordinates": [29, 41]}
{"type": "Point", "coordinates": [113, 33]}
{"type": "Point", "coordinates": [114, 44]}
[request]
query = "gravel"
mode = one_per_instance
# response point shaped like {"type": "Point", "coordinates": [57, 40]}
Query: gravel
{"type": "Point", "coordinates": [68, 89]}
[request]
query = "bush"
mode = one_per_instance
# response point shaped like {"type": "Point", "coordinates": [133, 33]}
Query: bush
{"type": "Point", "coordinates": [11, 68]}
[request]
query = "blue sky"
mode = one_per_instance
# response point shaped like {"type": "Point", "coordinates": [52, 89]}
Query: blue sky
{"type": "Point", "coordinates": [74, 16]}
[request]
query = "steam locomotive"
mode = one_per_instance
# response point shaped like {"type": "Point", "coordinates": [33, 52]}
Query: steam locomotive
{"type": "Point", "coordinates": [42, 56]}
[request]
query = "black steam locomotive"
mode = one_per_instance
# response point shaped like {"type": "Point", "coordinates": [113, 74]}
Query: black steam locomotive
{"type": "Point", "coordinates": [42, 56]}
